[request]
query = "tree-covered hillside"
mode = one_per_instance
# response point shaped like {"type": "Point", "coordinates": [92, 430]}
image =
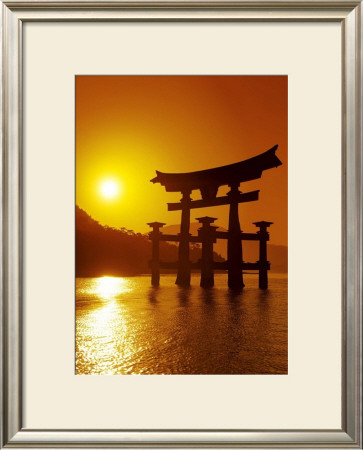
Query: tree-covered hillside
{"type": "Point", "coordinates": [102, 250]}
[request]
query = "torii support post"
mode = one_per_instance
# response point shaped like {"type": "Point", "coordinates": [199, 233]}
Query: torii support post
{"type": "Point", "coordinates": [207, 234]}
{"type": "Point", "coordinates": [155, 258]}
{"type": "Point", "coordinates": [263, 263]}
{"type": "Point", "coordinates": [234, 247]}
{"type": "Point", "coordinates": [183, 276]}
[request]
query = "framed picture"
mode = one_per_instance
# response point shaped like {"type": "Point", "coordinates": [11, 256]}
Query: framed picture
{"type": "Point", "coordinates": [182, 253]}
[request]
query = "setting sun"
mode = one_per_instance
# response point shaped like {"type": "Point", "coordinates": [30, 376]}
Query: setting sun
{"type": "Point", "coordinates": [110, 189]}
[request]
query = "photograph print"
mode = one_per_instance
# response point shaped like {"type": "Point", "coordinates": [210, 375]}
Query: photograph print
{"type": "Point", "coordinates": [181, 225]}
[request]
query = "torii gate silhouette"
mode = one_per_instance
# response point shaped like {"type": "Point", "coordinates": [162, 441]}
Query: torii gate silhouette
{"type": "Point", "coordinates": [208, 182]}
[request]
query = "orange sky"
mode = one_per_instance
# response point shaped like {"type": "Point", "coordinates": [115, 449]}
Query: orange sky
{"type": "Point", "coordinates": [129, 126]}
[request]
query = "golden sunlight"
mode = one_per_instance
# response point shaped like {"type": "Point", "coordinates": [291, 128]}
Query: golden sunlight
{"type": "Point", "coordinates": [109, 287]}
{"type": "Point", "coordinates": [110, 189]}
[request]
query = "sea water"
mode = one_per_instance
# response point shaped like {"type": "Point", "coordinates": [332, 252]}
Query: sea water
{"type": "Point", "coordinates": [125, 326]}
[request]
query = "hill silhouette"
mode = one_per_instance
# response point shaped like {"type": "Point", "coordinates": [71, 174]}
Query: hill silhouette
{"type": "Point", "coordinates": [102, 250]}
{"type": "Point", "coordinates": [276, 254]}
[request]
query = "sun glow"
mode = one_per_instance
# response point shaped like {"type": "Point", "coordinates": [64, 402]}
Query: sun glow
{"type": "Point", "coordinates": [109, 287]}
{"type": "Point", "coordinates": [110, 189]}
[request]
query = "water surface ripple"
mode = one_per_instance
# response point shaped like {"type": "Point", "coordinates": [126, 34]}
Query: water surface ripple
{"type": "Point", "coordinates": [124, 326]}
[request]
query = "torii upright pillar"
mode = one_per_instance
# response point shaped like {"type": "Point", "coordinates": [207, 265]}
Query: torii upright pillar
{"type": "Point", "coordinates": [155, 259]}
{"type": "Point", "coordinates": [207, 234]}
{"type": "Point", "coordinates": [234, 247]}
{"type": "Point", "coordinates": [183, 276]}
{"type": "Point", "coordinates": [264, 265]}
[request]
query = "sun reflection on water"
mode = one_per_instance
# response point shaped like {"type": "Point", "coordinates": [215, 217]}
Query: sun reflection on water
{"type": "Point", "coordinates": [109, 287]}
{"type": "Point", "coordinates": [107, 339]}
{"type": "Point", "coordinates": [102, 318]}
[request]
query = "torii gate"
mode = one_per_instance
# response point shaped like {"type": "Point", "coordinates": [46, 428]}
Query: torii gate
{"type": "Point", "coordinates": [208, 182]}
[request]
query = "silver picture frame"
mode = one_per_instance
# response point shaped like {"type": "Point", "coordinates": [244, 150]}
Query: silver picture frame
{"type": "Point", "coordinates": [15, 13]}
